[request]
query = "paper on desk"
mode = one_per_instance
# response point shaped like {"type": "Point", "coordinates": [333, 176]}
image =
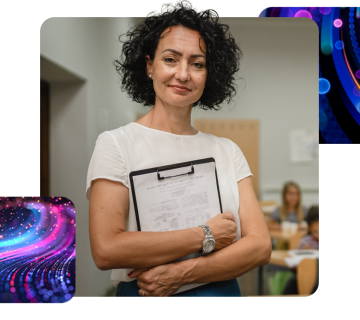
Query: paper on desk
{"type": "Point", "coordinates": [297, 255]}
{"type": "Point", "coordinates": [177, 203]}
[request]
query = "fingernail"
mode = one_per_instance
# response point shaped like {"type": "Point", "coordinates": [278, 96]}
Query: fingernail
{"type": "Point", "coordinates": [129, 274]}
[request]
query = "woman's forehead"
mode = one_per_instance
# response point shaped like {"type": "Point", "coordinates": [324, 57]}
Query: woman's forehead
{"type": "Point", "coordinates": [292, 189]}
{"type": "Point", "coordinates": [182, 37]}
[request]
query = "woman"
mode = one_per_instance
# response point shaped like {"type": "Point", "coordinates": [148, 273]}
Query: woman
{"type": "Point", "coordinates": [291, 209]}
{"type": "Point", "coordinates": [173, 62]}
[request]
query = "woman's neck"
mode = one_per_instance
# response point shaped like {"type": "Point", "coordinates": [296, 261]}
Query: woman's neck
{"type": "Point", "coordinates": [169, 118]}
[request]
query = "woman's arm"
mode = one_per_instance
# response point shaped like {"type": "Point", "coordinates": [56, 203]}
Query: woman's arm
{"type": "Point", "coordinates": [249, 252]}
{"type": "Point", "coordinates": [113, 247]}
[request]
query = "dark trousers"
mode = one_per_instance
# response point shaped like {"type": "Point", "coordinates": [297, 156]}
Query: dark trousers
{"type": "Point", "coordinates": [229, 288]}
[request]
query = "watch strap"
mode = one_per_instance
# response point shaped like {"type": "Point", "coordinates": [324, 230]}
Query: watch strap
{"type": "Point", "coordinates": [206, 229]}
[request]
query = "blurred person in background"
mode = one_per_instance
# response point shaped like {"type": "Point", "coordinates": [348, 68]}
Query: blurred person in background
{"type": "Point", "coordinates": [291, 209]}
{"type": "Point", "coordinates": [311, 240]}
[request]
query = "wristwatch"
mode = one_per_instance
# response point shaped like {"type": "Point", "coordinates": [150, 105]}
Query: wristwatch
{"type": "Point", "coordinates": [209, 241]}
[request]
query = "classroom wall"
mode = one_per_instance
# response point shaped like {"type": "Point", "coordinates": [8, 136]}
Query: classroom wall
{"type": "Point", "coordinates": [82, 109]}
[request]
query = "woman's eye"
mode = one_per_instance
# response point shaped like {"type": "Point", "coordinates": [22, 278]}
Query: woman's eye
{"type": "Point", "coordinates": [198, 65]}
{"type": "Point", "coordinates": [170, 60]}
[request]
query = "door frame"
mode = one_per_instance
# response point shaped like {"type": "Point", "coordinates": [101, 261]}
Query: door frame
{"type": "Point", "coordinates": [44, 137]}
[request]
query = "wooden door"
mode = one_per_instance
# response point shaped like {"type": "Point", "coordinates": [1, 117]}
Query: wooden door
{"type": "Point", "coordinates": [44, 137]}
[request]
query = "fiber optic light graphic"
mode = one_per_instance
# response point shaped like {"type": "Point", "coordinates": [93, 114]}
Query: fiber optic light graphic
{"type": "Point", "coordinates": [339, 66]}
{"type": "Point", "coordinates": [37, 249]}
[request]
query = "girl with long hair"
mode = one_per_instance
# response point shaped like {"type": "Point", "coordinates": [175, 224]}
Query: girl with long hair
{"type": "Point", "coordinates": [291, 208]}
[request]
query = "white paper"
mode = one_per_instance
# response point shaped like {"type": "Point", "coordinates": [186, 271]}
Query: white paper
{"type": "Point", "coordinates": [296, 256]}
{"type": "Point", "coordinates": [177, 203]}
{"type": "Point", "coordinates": [304, 145]}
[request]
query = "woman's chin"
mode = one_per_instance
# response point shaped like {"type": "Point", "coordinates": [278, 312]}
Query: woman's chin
{"type": "Point", "coordinates": [181, 103]}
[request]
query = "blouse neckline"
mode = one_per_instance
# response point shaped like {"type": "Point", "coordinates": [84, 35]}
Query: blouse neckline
{"type": "Point", "coordinates": [169, 133]}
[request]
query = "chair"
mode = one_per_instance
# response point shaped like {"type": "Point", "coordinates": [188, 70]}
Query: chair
{"type": "Point", "coordinates": [307, 273]}
{"type": "Point", "coordinates": [295, 240]}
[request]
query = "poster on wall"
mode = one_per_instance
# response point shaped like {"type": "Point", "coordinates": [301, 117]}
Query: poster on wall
{"type": "Point", "coordinates": [304, 145]}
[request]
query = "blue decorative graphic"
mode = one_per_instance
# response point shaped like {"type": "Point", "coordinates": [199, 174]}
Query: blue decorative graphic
{"type": "Point", "coordinates": [339, 76]}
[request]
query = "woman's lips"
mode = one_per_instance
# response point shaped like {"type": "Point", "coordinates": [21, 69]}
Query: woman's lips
{"type": "Point", "coordinates": [180, 88]}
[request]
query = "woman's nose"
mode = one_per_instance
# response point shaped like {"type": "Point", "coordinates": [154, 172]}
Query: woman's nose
{"type": "Point", "coordinates": [182, 72]}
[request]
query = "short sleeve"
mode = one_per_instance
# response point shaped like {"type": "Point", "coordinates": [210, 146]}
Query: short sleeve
{"type": "Point", "coordinates": [304, 241]}
{"type": "Point", "coordinates": [275, 215]}
{"type": "Point", "coordinates": [107, 162]}
{"type": "Point", "coordinates": [242, 169]}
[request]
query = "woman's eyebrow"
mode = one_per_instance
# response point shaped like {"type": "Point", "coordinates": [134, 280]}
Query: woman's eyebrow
{"type": "Point", "coordinates": [180, 54]}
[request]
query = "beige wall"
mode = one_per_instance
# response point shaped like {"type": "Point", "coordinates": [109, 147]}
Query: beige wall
{"type": "Point", "coordinates": [280, 68]}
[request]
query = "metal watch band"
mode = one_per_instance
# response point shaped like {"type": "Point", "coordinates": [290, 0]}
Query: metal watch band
{"type": "Point", "coordinates": [206, 229]}
{"type": "Point", "coordinates": [208, 238]}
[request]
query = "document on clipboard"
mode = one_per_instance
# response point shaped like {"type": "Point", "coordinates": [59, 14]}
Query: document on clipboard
{"type": "Point", "coordinates": [175, 197]}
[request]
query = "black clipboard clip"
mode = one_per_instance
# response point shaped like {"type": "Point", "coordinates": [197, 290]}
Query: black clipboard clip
{"type": "Point", "coordinates": [173, 167]}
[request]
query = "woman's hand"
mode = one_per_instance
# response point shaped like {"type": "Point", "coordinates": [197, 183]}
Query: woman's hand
{"type": "Point", "coordinates": [160, 281]}
{"type": "Point", "coordinates": [223, 228]}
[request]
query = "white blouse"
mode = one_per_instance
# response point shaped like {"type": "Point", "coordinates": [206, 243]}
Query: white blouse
{"type": "Point", "coordinates": [134, 147]}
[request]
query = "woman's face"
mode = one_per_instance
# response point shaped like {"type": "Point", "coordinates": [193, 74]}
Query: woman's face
{"type": "Point", "coordinates": [179, 68]}
{"type": "Point", "coordinates": [314, 230]}
{"type": "Point", "coordinates": [292, 196]}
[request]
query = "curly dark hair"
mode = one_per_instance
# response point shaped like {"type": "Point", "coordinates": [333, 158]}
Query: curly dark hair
{"type": "Point", "coordinates": [222, 54]}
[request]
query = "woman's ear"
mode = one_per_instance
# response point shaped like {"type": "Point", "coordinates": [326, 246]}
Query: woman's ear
{"type": "Point", "coordinates": [148, 65]}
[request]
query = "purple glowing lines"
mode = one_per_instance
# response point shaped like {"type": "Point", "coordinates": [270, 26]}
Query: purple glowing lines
{"type": "Point", "coordinates": [357, 74]}
{"type": "Point", "coordinates": [303, 14]}
{"type": "Point", "coordinates": [338, 23]}
{"type": "Point", "coordinates": [37, 249]}
{"type": "Point", "coordinates": [357, 86]}
{"type": "Point", "coordinates": [356, 92]}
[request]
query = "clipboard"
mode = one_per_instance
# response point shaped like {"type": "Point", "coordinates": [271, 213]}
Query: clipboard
{"type": "Point", "coordinates": [182, 186]}
{"type": "Point", "coordinates": [173, 172]}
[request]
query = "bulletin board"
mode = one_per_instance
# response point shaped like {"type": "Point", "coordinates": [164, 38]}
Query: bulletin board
{"type": "Point", "coordinates": [245, 133]}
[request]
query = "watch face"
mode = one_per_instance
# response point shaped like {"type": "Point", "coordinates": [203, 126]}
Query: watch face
{"type": "Point", "coordinates": [209, 245]}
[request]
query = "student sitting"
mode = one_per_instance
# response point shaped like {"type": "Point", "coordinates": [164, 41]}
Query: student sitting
{"type": "Point", "coordinates": [310, 241]}
{"type": "Point", "coordinates": [291, 209]}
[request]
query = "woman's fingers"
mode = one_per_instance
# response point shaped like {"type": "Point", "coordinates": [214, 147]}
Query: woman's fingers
{"type": "Point", "coordinates": [151, 289]}
{"type": "Point", "coordinates": [143, 288]}
{"type": "Point", "coordinates": [136, 272]}
{"type": "Point", "coordinates": [228, 216]}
